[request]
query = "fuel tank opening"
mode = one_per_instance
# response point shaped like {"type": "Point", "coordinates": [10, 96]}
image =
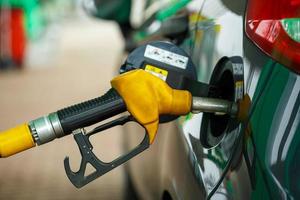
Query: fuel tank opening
{"type": "Point", "coordinates": [228, 77]}
{"type": "Point", "coordinates": [226, 85]}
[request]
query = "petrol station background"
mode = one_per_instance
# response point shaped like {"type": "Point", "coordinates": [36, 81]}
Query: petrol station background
{"type": "Point", "coordinates": [65, 57]}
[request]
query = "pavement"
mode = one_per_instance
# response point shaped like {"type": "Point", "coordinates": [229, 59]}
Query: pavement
{"type": "Point", "coordinates": [88, 54]}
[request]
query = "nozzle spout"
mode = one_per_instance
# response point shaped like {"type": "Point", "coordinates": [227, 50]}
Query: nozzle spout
{"type": "Point", "coordinates": [213, 105]}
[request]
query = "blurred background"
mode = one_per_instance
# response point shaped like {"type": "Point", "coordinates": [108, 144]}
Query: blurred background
{"type": "Point", "coordinates": [52, 54]}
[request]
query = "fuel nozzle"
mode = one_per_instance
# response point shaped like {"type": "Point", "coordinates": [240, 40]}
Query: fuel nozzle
{"type": "Point", "coordinates": [58, 124]}
{"type": "Point", "coordinates": [152, 97]}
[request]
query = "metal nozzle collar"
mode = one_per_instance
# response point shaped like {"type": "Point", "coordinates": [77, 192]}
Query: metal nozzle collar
{"type": "Point", "coordinates": [46, 128]}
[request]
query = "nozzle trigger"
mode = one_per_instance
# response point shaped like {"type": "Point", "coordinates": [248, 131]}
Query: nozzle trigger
{"type": "Point", "coordinates": [78, 179]}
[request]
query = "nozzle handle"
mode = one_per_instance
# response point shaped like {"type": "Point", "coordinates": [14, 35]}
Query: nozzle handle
{"type": "Point", "coordinates": [90, 112]}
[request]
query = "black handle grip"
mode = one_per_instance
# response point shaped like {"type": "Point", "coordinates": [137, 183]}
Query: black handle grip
{"type": "Point", "coordinates": [91, 112]}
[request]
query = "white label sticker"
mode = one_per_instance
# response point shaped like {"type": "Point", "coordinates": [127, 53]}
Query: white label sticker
{"type": "Point", "coordinates": [238, 69]}
{"type": "Point", "coordinates": [166, 57]}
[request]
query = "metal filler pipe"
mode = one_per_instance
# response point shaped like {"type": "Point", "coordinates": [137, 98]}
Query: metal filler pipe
{"type": "Point", "coordinates": [213, 105]}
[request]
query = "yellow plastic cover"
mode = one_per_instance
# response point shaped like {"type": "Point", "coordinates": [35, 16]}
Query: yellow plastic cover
{"type": "Point", "coordinates": [15, 140]}
{"type": "Point", "coordinates": [147, 97]}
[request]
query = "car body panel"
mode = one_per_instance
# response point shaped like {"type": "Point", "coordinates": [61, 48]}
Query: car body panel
{"type": "Point", "coordinates": [274, 125]}
{"type": "Point", "coordinates": [178, 163]}
{"type": "Point", "coordinates": [163, 165]}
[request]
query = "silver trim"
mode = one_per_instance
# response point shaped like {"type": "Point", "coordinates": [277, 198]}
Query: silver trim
{"type": "Point", "coordinates": [46, 128]}
{"type": "Point", "coordinates": [34, 133]}
{"type": "Point", "coordinates": [53, 117]}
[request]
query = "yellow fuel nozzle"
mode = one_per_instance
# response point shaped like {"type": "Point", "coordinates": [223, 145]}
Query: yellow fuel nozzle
{"type": "Point", "coordinates": [15, 140]}
{"type": "Point", "coordinates": [151, 98]}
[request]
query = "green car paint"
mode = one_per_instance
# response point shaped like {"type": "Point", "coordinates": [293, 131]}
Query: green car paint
{"type": "Point", "coordinates": [271, 86]}
{"type": "Point", "coordinates": [216, 156]}
{"type": "Point", "coordinates": [262, 120]}
{"type": "Point", "coordinates": [293, 161]}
